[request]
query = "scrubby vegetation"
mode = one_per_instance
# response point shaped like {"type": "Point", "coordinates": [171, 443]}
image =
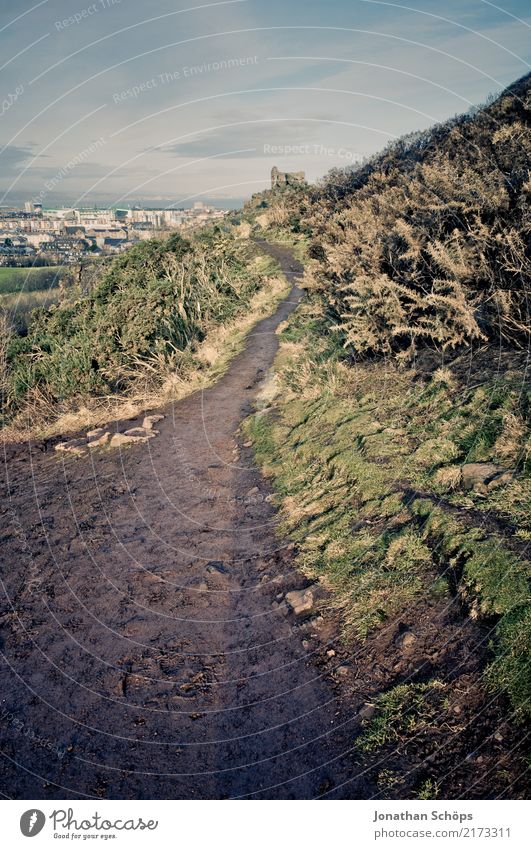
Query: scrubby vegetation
{"type": "Point", "coordinates": [140, 323]}
{"type": "Point", "coordinates": [407, 363]}
{"type": "Point", "coordinates": [427, 243]}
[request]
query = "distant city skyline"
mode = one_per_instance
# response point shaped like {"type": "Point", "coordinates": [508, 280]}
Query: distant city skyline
{"type": "Point", "coordinates": [66, 201]}
{"type": "Point", "coordinates": [116, 102]}
{"type": "Point", "coordinates": [66, 236]}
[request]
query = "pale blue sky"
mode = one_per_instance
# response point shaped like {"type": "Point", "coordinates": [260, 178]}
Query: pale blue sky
{"type": "Point", "coordinates": [324, 82]}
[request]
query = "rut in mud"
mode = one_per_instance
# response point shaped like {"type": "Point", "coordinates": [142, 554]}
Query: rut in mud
{"type": "Point", "coordinates": [147, 648]}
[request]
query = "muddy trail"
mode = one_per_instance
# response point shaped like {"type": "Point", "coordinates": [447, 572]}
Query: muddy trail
{"type": "Point", "coordinates": [148, 651]}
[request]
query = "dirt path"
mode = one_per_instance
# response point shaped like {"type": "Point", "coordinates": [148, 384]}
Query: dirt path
{"type": "Point", "coordinates": [147, 650]}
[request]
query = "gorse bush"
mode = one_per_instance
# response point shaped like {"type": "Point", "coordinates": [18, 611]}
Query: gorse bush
{"type": "Point", "coordinates": [432, 257]}
{"type": "Point", "coordinates": [151, 306]}
{"type": "Point", "coordinates": [428, 242]}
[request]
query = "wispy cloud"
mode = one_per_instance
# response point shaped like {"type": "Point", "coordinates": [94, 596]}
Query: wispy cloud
{"type": "Point", "coordinates": [358, 74]}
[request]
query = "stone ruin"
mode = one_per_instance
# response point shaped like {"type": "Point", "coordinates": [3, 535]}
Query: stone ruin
{"type": "Point", "coordinates": [280, 179]}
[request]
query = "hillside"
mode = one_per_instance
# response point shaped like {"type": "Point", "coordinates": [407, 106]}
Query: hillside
{"type": "Point", "coordinates": [427, 243]}
{"type": "Point", "coordinates": [154, 323]}
{"type": "Point", "coordinates": [398, 439]}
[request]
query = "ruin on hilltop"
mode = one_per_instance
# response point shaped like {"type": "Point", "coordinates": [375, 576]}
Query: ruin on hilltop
{"type": "Point", "coordinates": [280, 179]}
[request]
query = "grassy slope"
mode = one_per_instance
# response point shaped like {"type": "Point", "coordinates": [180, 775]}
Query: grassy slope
{"type": "Point", "coordinates": [28, 279]}
{"type": "Point", "coordinates": [365, 456]}
{"type": "Point", "coordinates": [363, 461]}
{"type": "Point", "coordinates": [23, 290]}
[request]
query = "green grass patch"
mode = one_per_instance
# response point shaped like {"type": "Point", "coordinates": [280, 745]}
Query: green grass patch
{"type": "Point", "coordinates": [511, 669]}
{"type": "Point", "coordinates": [402, 712]}
{"type": "Point", "coordinates": [29, 279]}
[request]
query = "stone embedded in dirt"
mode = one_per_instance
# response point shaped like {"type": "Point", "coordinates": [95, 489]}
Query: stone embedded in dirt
{"type": "Point", "coordinates": [253, 491]}
{"type": "Point", "coordinates": [119, 439]}
{"type": "Point", "coordinates": [95, 434]}
{"type": "Point", "coordinates": [149, 421]}
{"type": "Point", "coordinates": [367, 712]}
{"type": "Point", "coordinates": [247, 444]}
{"type": "Point", "coordinates": [330, 653]}
{"type": "Point", "coordinates": [217, 567]}
{"type": "Point", "coordinates": [104, 439]}
{"type": "Point", "coordinates": [343, 670]}
{"type": "Point", "coordinates": [478, 475]}
{"type": "Point", "coordinates": [139, 431]}
{"type": "Point", "coordinates": [75, 446]}
{"type": "Point", "coordinates": [301, 602]}
{"type": "Point", "coordinates": [407, 640]}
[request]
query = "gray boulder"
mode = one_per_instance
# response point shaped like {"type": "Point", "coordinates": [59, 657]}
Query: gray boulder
{"type": "Point", "coordinates": [140, 431]}
{"type": "Point", "coordinates": [103, 439]}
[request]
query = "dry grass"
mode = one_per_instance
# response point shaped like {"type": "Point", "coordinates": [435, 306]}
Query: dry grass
{"type": "Point", "coordinates": [448, 477]}
{"type": "Point", "coordinates": [508, 446]}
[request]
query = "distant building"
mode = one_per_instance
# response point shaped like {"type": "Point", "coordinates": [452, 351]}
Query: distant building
{"type": "Point", "coordinates": [281, 179]}
{"type": "Point", "coordinates": [66, 234]}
